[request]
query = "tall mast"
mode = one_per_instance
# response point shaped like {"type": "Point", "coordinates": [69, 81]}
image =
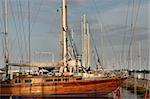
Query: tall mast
{"type": "Point", "coordinates": [88, 48]}
{"type": "Point", "coordinates": [6, 58]}
{"type": "Point", "coordinates": [85, 43]}
{"type": "Point", "coordinates": [64, 31]}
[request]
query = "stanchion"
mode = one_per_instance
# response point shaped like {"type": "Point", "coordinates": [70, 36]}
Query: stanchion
{"type": "Point", "coordinates": [117, 94]}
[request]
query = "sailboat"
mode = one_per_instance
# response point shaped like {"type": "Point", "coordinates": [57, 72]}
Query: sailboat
{"type": "Point", "coordinates": [64, 80]}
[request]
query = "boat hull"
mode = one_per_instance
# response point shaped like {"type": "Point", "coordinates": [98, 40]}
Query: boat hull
{"type": "Point", "coordinates": [71, 87]}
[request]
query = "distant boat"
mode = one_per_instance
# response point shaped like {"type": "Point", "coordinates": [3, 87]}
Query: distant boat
{"type": "Point", "coordinates": [65, 79]}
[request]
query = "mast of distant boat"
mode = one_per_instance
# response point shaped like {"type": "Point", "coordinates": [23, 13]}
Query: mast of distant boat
{"type": "Point", "coordinates": [85, 43]}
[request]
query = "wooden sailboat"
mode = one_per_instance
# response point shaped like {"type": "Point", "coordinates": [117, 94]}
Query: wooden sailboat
{"type": "Point", "coordinates": [39, 85]}
{"type": "Point", "coordinates": [66, 81]}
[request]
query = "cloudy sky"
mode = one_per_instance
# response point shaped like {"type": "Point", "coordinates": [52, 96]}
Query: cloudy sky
{"type": "Point", "coordinates": [113, 25]}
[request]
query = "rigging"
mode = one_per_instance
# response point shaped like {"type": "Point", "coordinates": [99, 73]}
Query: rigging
{"type": "Point", "coordinates": [125, 34]}
{"type": "Point", "coordinates": [106, 34]}
{"type": "Point", "coordinates": [133, 27]}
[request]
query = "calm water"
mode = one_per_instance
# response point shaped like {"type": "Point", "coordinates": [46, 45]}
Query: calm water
{"type": "Point", "coordinates": [124, 95]}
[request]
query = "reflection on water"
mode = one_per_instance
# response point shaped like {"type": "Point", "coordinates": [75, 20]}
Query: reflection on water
{"type": "Point", "coordinates": [125, 94]}
{"type": "Point", "coordinates": [70, 96]}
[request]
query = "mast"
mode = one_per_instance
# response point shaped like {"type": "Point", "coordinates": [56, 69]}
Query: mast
{"type": "Point", "coordinates": [72, 36]}
{"type": "Point", "coordinates": [6, 58]}
{"type": "Point", "coordinates": [85, 43]}
{"type": "Point", "coordinates": [131, 64]}
{"type": "Point", "coordinates": [61, 35]}
{"type": "Point", "coordinates": [139, 56]}
{"type": "Point", "coordinates": [88, 52]}
{"type": "Point", "coordinates": [64, 31]}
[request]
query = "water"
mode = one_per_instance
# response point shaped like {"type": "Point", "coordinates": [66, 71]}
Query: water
{"type": "Point", "coordinates": [125, 94]}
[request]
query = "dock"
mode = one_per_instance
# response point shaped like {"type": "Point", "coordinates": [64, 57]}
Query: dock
{"type": "Point", "coordinates": [140, 85]}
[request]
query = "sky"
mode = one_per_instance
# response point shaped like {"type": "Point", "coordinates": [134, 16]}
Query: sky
{"type": "Point", "coordinates": [113, 24]}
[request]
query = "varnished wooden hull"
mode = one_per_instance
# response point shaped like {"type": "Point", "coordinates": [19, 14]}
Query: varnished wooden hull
{"type": "Point", "coordinates": [81, 86]}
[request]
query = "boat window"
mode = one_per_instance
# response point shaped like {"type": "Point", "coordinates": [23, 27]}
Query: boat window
{"type": "Point", "coordinates": [17, 81]}
{"type": "Point", "coordinates": [59, 79]}
{"type": "Point", "coordinates": [48, 80]}
{"type": "Point", "coordinates": [44, 72]}
{"type": "Point", "coordinates": [65, 79]}
{"type": "Point", "coordinates": [28, 81]}
{"type": "Point", "coordinates": [78, 78]}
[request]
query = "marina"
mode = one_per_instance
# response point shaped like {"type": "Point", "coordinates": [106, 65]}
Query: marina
{"type": "Point", "coordinates": [70, 75]}
{"type": "Point", "coordinates": [72, 53]}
